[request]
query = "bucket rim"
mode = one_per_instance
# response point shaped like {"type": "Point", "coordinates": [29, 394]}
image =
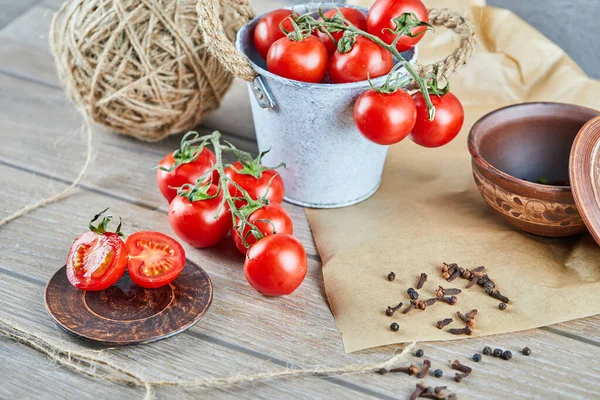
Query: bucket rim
{"type": "Point", "coordinates": [329, 86]}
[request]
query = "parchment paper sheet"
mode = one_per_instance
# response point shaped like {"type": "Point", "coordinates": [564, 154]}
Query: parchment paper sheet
{"type": "Point", "coordinates": [428, 209]}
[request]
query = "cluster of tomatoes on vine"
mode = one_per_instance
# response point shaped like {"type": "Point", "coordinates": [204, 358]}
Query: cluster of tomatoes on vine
{"type": "Point", "coordinates": [344, 45]}
{"type": "Point", "coordinates": [208, 201]}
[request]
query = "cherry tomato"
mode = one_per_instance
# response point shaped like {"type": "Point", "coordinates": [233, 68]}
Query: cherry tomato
{"type": "Point", "coordinates": [305, 60]}
{"type": "Point", "coordinates": [155, 259]}
{"type": "Point", "coordinates": [385, 118]}
{"type": "Point", "coordinates": [184, 173]}
{"type": "Point", "coordinates": [276, 265]}
{"type": "Point", "coordinates": [269, 220]}
{"type": "Point", "coordinates": [268, 30]}
{"type": "Point", "coordinates": [366, 59]}
{"type": "Point", "coordinates": [380, 18]}
{"type": "Point", "coordinates": [352, 15]}
{"type": "Point", "coordinates": [256, 187]}
{"type": "Point", "coordinates": [449, 118]}
{"type": "Point", "coordinates": [96, 261]}
{"type": "Point", "coordinates": [197, 223]}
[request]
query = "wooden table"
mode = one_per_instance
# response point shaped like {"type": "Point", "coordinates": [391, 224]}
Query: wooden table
{"type": "Point", "coordinates": [41, 152]}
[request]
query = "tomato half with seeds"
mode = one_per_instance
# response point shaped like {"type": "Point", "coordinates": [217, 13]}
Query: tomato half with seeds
{"type": "Point", "coordinates": [96, 261]}
{"type": "Point", "coordinates": [155, 259]}
{"type": "Point", "coordinates": [269, 220]}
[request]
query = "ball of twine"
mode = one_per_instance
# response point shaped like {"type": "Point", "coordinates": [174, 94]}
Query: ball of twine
{"type": "Point", "coordinates": [140, 67]}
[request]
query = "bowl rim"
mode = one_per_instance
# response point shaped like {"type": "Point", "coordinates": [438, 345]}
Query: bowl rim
{"type": "Point", "coordinates": [475, 132]}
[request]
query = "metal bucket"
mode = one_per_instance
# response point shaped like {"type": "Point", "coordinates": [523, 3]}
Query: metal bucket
{"type": "Point", "coordinates": [310, 127]}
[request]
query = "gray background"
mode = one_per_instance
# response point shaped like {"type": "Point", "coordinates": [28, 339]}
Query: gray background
{"type": "Point", "coordinates": [572, 24]}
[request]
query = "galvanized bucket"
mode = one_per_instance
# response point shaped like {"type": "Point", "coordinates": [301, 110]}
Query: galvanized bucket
{"type": "Point", "coordinates": [310, 128]}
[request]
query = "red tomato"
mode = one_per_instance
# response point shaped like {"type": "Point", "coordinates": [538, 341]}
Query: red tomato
{"type": "Point", "coordinates": [256, 187]}
{"type": "Point", "coordinates": [155, 259]}
{"type": "Point", "coordinates": [96, 261]}
{"type": "Point", "coordinates": [354, 16]}
{"type": "Point", "coordinates": [381, 14]}
{"type": "Point", "coordinates": [366, 59]}
{"type": "Point", "coordinates": [185, 173]}
{"type": "Point", "coordinates": [304, 61]}
{"type": "Point", "coordinates": [385, 118]}
{"type": "Point", "coordinates": [276, 265]}
{"type": "Point", "coordinates": [449, 118]}
{"type": "Point", "coordinates": [197, 223]}
{"type": "Point", "coordinates": [268, 30]}
{"type": "Point", "coordinates": [269, 220]}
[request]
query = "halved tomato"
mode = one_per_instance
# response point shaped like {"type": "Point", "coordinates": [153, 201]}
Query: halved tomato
{"type": "Point", "coordinates": [96, 261]}
{"type": "Point", "coordinates": [155, 259]}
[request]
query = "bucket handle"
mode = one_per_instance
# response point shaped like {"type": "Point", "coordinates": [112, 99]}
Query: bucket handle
{"type": "Point", "coordinates": [225, 52]}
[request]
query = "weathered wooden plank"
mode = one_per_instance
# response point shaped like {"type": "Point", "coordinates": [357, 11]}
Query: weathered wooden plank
{"type": "Point", "coordinates": [11, 10]}
{"type": "Point", "coordinates": [284, 321]}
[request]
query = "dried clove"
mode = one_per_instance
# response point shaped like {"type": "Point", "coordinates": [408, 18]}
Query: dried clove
{"type": "Point", "coordinates": [449, 267]}
{"type": "Point", "coordinates": [486, 282]}
{"type": "Point", "coordinates": [452, 300]}
{"type": "Point", "coordinates": [412, 293]}
{"type": "Point", "coordinates": [463, 331]}
{"type": "Point", "coordinates": [424, 369]}
{"type": "Point", "coordinates": [441, 292]}
{"type": "Point", "coordinates": [410, 370]}
{"type": "Point", "coordinates": [432, 395]}
{"type": "Point", "coordinates": [498, 296]}
{"type": "Point", "coordinates": [478, 269]}
{"type": "Point", "coordinates": [418, 391]}
{"type": "Point", "coordinates": [472, 282]}
{"type": "Point", "coordinates": [502, 306]}
{"type": "Point", "coordinates": [391, 310]}
{"type": "Point", "coordinates": [459, 377]}
{"type": "Point", "coordinates": [391, 276]}
{"type": "Point", "coordinates": [422, 280]}
{"type": "Point", "coordinates": [454, 275]}
{"type": "Point", "coordinates": [421, 305]}
{"type": "Point", "coordinates": [471, 314]}
{"type": "Point", "coordinates": [430, 302]}
{"type": "Point", "coordinates": [439, 389]}
{"type": "Point", "coordinates": [461, 367]}
{"type": "Point", "coordinates": [443, 323]}
{"type": "Point", "coordinates": [412, 305]}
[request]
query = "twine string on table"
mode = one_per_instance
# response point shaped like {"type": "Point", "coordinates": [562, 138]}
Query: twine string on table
{"type": "Point", "coordinates": [90, 365]}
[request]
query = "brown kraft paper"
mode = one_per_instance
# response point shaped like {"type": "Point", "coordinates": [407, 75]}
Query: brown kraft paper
{"type": "Point", "coordinates": [428, 209]}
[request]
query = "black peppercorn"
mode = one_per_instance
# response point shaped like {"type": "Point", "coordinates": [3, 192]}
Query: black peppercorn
{"type": "Point", "coordinates": [502, 306]}
{"type": "Point", "coordinates": [391, 276]}
{"type": "Point", "coordinates": [487, 350]}
{"type": "Point", "coordinates": [394, 327]}
{"type": "Point", "coordinates": [507, 355]}
{"type": "Point", "coordinates": [477, 357]}
{"type": "Point", "coordinates": [497, 353]}
{"type": "Point", "coordinates": [438, 373]}
{"type": "Point", "coordinates": [419, 353]}
{"type": "Point", "coordinates": [526, 351]}
{"type": "Point", "coordinates": [412, 293]}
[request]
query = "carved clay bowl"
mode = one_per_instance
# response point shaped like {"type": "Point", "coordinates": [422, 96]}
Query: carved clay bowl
{"type": "Point", "coordinates": [514, 147]}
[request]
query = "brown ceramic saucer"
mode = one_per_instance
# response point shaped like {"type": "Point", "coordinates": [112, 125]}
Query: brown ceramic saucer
{"type": "Point", "coordinates": [584, 171]}
{"type": "Point", "coordinates": [127, 314]}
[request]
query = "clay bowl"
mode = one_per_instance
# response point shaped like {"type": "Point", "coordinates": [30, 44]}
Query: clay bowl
{"type": "Point", "coordinates": [514, 147]}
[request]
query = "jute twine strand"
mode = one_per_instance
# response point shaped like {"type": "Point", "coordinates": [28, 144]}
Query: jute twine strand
{"type": "Point", "coordinates": [217, 42]}
{"type": "Point", "coordinates": [97, 367]}
{"type": "Point", "coordinates": [225, 51]}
